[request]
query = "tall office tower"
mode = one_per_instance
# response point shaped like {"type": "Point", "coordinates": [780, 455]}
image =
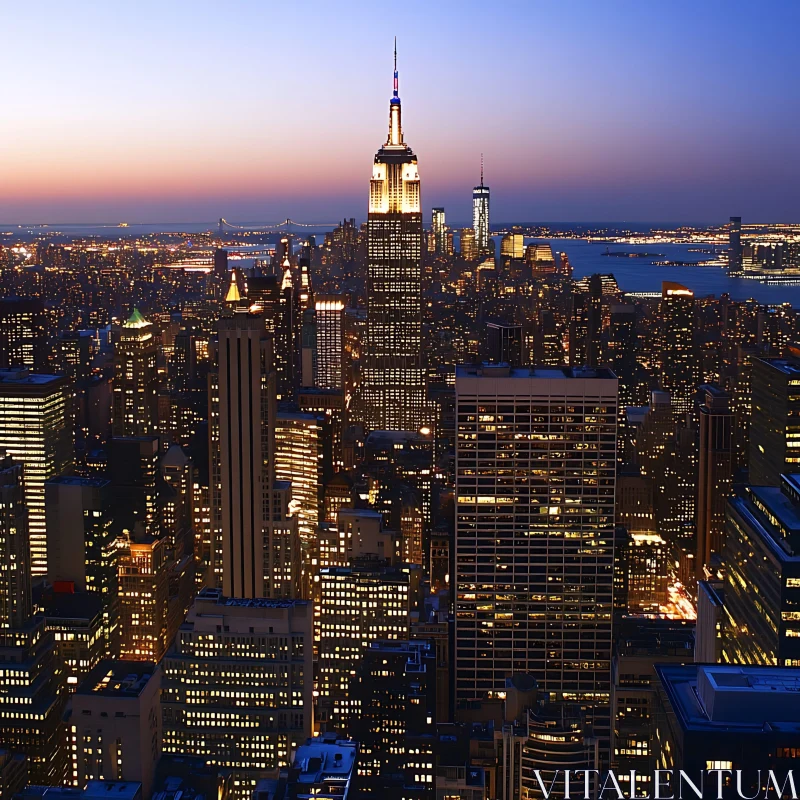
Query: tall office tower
{"type": "Point", "coordinates": [586, 325]}
{"type": "Point", "coordinates": [480, 215]}
{"type": "Point", "coordinates": [288, 334]}
{"type": "Point", "coordinates": [329, 404]}
{"type": "Point", "coordinates": [761, 558]}
{"type": "Point", "coordinates": [678, 365]}
{"type": "Point", "coordinates": [359, 605]}
{"type": "Point", "coordinates": [330, 373]}
{"type": "Point", "coordinates": [81, 545]}
{"type": "Point", "coordinates": [237, 685]}
{"type": "Point", "coordinates": [735, 244]}
{"type": "Point", "coordinates": [115, 724]}
{"type": "Point", "coordinates": [439, 229]}
{"type": "Point", "coordinates": [535, 482]}
{"type": "Point", "coordinates": [299, 460]}
{"type": "Point", "coordinates": [512, 245]}
{"type": "Point", "coordinates": [35, 429]}
{"type": "Point", "coordinates": [395, 686]}
{"type": "Point", "coordinates": [23, 333]}
{"type": "Point", "coordinates": [135, 379]}
{"type": "Point", "coordinates": [133, 469]}
{"type": "Point", "coordinates": [504, 343]}
{"type": "Point", "coordinates": [467, 244]}
{"type": "Point", "coordinates": [394, 392]}
{"type": "Point", "coordinates": [254, 543]}
{"type": "Point", "coordinates": [775, 418]}
{"type": "Point", "coordinates": [715, 473]}
{"type": "Point", "coordinates": [623, 347]}
{"type": "Point", "coordinates": [221, 263]}
{"type": "Point", "coordinates": [15, 563]}
{"type": "Point", "coordinates": [143, 597]}
{"type": "Point", "coordinates": [32, 700]}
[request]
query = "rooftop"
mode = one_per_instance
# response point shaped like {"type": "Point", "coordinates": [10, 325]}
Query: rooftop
{"type": "Point", "coordinates": [733, 699]}
{"type": "Point", "coordinates": [24, 377]}
{"type": "Point", "coordinates": [789, 367]}
{"type": "Point", "coordinates": [551, 373]}
{"type": "Point", "coordinates": [325, 760]}
{"type": "Point", "coordinates": [78, 480]}
{"type": "Point", "coordinates": [118, 678]}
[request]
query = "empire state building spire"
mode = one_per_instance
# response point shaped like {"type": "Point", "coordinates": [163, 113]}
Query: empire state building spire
{"type": "Point", "coordinates": [395, 127]}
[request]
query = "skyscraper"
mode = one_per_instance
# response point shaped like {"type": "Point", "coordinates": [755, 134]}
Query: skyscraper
{"type": "Point", "coordinates": [394, 381]}
{"type": "Point", "coordinates": [330, 341]}
{"type": "Point", "coordinates": [15, 563]}
{"type": "Point", "coordinates": [35, 430]}
{"type": "Point", "coordinates": [535, 481]}
{"type": "Point", "coordinates": [23, 333]}
{"type": "Point", "coordinates": [439, 228]}
{"type": "Point", "coordinates": [254, 541]}
{"type": "Point", "coordinates": [135, 379]}
{"type": "Point", "coordinates": [735, 244]}
{"type": "Point", "coordinates": [679, 367]}
{"type": "Point", "coordinates": [480, 214]}
{"type": "Point", "coordinates": [715, 472]}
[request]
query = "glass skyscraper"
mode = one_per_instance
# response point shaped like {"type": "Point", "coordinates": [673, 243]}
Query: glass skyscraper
{"type": "Point", "coordinates": [480, 214]}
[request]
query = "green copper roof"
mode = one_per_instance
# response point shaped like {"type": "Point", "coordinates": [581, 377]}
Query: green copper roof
{"type": "Point", "coordinates": [136, 320]}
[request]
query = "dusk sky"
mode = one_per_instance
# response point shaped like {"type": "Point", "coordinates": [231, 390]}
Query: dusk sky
{"type": "Point", "coordinates": [654, 110]}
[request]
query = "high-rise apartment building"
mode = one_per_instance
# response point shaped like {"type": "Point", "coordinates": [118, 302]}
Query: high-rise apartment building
{"type": "Point", "coordinates": [439, 230]}
{"type": "Point", "coordinates": [393, 390]}
{"type": "Point", "coordinates": [761, 558]}
{"type": "Point", "coordinates": [330, 371]}
{"type": "Point", "coordinates": [678, 364]}
{"type": "Point", "coordinates": [35, 430]}
{"type": "Point", "coordinates": [480, 215]}
{"type": "Point", "coordinates": [15, 563]}
{"type": "Point", "coordinates": [237, 685]}
{"type": "Point", "coordinates": [135, 399]}
{"type": "Point", "coordinates": [254, 543]}
{"type": "Point", "coordinates": [715, 471]}
{"type": "Point", "coordinates": [535, 481]}
{"type": "Point", "coordinates": [774, 418]}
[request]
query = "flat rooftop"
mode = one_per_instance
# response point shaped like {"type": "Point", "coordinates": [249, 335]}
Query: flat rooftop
{"type": "Point", "coordinates": [325, 760]}
{"type": "Point", "coordinates": [24, 377]}
{"type": "Point", "coordinates": [118, 678]}
{"type": "Point", "coordinates": [551, 373]}
{"type": "Point", "coordinates": [788, 367]}
{"type": "Point", "coordinates": [733, 699]}
{"type": "Point", "coordinates": [78, 480]}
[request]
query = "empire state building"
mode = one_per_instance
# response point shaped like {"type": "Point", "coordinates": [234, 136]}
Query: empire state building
{"type": "Point", "coordinates": [393, 388]}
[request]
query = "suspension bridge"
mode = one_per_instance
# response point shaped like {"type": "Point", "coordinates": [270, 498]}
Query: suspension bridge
{"type": "Point", "coordinates": [277, 227]}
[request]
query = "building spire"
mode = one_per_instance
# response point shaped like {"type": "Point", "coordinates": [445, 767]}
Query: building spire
{"type": "Point", "coordinates": [395, 127]}
{"type": "Point", "coordinates": [481, 169]}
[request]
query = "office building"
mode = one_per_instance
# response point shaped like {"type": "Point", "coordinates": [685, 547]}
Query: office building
{"type": "Point", "coordinates": [393, 388]}
{"type": "Point", "coordinates": [32, 700]}
{"type": "Point", "coordinates": [358, 605]}
{"type": "Point", "coordinates": [535, 482]}
{"type": "Point", "coordinates": [23, 333]}
{"type": "Point", "coordinates": [15, 564]}
{"type": "Point", "coordinates": [237, 685]}
{"type": "Point", "coordinates": [467, 244]}
{"type": "Point", "coordinates": [727, 717]}
{"type": "Point", "coordinates": [135, 379]}
{"type": "Point", "coordinates": [775, 418]}
{"type": "Point", "coordinates": [115, 724]}
{"type": "Point", "coordinates": [330, 360]}
{"type": "Point", "coordinates": [480, 215]}
{"type": "Point", "coordinates": [254, 543]}
{"type": "Point", "coordinates": [13, 773]}
{"type": "Point", "coordinates": [761, 558]}
{"type": "Point", "coordinates": [133, 471]}
{"type": "Point", "coordinates": [715, 472]}
{"type": "Point", "coordinates": [586, 325]}
{"type": "Point", "coordinates": [504, 343]}
{"type": "Point", "coordinates": [395, 686]}
{"type": "Point", "coordinates": [512, 245]}
{"type": "Point", "coordinates": [35, 430]}
{"type": "Point", "coordinates": [82, 546]}
{"type": "Point", "coordinates": [439, 230]}
{"type": "Point", "coordinates": [678, 363]}
{"type": "Point", "coordinates": [330, 405]}
{"type": "Point", "coordinates": [641, 644]}
{"type": "Point", "coordinates": [76, 623]}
